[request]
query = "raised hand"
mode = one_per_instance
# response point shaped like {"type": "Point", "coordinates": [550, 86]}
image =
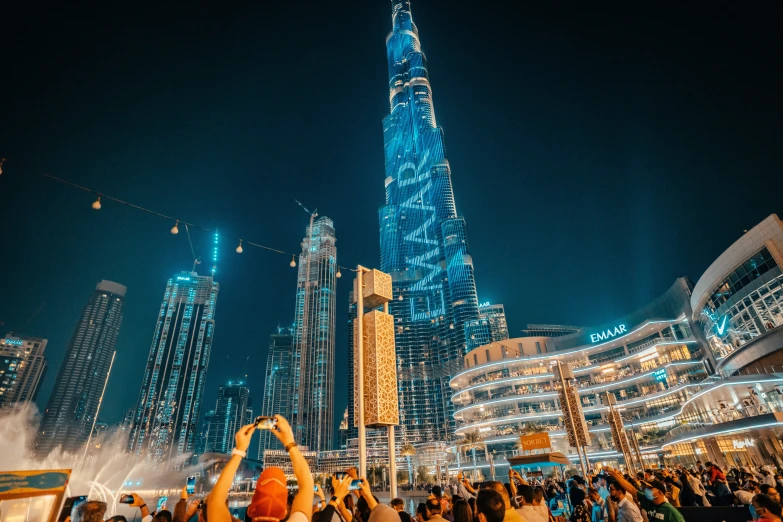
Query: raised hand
{"type": "Point", "coordinates": [243, 436]}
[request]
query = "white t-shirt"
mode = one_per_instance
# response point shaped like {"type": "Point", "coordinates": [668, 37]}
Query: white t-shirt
{"type": "Point", "coordinates": [298, 516]}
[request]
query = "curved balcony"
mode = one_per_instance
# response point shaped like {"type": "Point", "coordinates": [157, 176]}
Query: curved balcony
{"type": "Point", "coordinates": [546, 392]}
{"type": "Point", "coordinates": [461, 379]}
{"type": "Point", "coordinates": [556, 413]}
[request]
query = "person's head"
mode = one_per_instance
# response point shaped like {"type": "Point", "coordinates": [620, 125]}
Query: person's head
{"type": "Point", "coordinates": [766, 507]}
{"type": "Point", "coordinates": [526, 494]}
{"type": "Point", "coordinates": [598, 481]}
{"type": "Point", "coordinates": [364, 508]}
{"type": "Point", "coordinates": [398, 504]}
{"type": "Point", "coordinates": [698, 463]}
{"type": "Point", "coordinates": [654, 490]}
{"type": "Point", "coordinates": [462, 511]}
{"type": "Point", "coordinates": [753, 487]}
{"type": "Point", "coordinates": [421, 512]}
{"type": "Point", "coordinates": [770, 491]}
{"type": "Point", "coordinates": [347, 502]}
{"type": "Point", "coordinates": [576, 496]}
{"type": "Point", "coordinates": [648, 474]}
{"type": "Point", "coordinates": [708, 465]}
{"type": "Point", "coordinates": [433, 506]}
{"type": "Point", "coordinates": [538, 495]}
{"type": "Point", "coordinates": [162, 516]}
{"type": "Point", "coordinates": [90, 511]}
{"type": "Point", "coordinates": [592, 494]}
{"type": "Point", "coordinates": [437, 492]}
{"type": "Point", "coordinates": [490, 506]}
{"type": "Point", "coordinates": [616, 491]}
{"type": "Point", "coordinates": [270, 499]}
{"type": "Point", "coordinates": [500, 489]}
{"type": "Point", "coordinates": [778, 478]}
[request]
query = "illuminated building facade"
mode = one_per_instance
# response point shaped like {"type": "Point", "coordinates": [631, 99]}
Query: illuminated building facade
{"type": "Point", "coordinates": [550, 330]}
{"type": "Point", "coordinates": [423, 243]}
{"type": "Point", "coordinates": [490, 326]}
{"type": "Point", "coordinates": [278, 386]}
{"type": "Point", "coordinates": [653, 361]}
{"type": "Point", "coordinates": [22, 365]}
{"type": "Point", "coordinates": [167, 411]}
{"type": "Point", "coordinates": [232, 411]}
{"type": "Point", "coordinates": [73, 405]}
{"type": "Point", "coordinates": [312, 410]}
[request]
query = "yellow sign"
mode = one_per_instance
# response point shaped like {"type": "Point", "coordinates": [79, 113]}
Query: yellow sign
{"type": "Point", "coordinates": [33, 495]}
{"type": "Point", "coordinates": [535, 441]}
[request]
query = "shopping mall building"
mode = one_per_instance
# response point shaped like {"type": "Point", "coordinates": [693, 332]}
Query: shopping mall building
{"type": "Point", "coordinates": [697, 374]}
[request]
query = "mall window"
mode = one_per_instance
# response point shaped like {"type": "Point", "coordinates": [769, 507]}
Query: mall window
{"type": "Point", "coordinates": [748, 271]}
{"type": "Point", "coordinates": [538, 347]}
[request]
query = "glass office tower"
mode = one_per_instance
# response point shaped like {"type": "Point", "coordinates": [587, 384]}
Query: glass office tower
{"type": "Point", "coordinates": [232, 411]}
{"type": "Point", "coordinates": [314, 329]}
{"type": "Point", "coordinates": [278, 386]}
{"type": "Point", "coordinates": [22, 366]}
{"type": "Point", "coordinates": [73, 405]}
{"type": "Point", "coordinates": [423, 243]}
{"type": "Point", "coordinates": [167, 411]}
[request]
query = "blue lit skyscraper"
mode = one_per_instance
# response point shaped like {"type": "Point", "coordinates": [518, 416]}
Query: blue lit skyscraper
{"type": "Point", "coordinates": [423, 242]}
{"type": "Point", "coordinates": [167, 411]}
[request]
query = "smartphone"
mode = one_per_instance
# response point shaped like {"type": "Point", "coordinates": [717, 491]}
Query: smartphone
{"type": "Point", "coordinates": [191, 485]}
{"type": "Point", "coordinates": [355, 484]}
{"type": "Point", "coordinates": [315, 488]}
{"type": "Point", "coordinates": [161, 503]}
{"type": "Point", "coordinates": [340, 475]}
{"type": "Point", "coordinates": [70, 503]}
{"type": "Point", "coordinates": [265, 423]}
{"type": "Point", "coordinates": [126, 499]}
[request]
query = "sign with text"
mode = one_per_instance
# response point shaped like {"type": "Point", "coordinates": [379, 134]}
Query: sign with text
{"type": "Point", "coordinates": [535, 441]}
{"type": "Point", "coordinates": [36, 496]}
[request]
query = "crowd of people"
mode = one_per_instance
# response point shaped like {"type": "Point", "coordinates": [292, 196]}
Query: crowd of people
{"type": "Point", "coordinates": [609, 496]}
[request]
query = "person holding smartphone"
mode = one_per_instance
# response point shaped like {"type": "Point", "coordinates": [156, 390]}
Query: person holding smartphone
{"type": "Point", "coordinates": [270, 498]}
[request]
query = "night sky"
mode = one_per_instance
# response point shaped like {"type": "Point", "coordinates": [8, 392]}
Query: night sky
{"type": "Point", "coordinates": [598, 152]}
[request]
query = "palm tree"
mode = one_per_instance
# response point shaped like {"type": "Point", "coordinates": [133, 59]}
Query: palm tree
{"type": "Point", "coordinates": [402, 476]}
{"type": "Point", "coordinates": [470, 441]}
{"type": "Point", "coordinates": [422, 475]}
{"type": "Point", "coordinates": [407, 450]}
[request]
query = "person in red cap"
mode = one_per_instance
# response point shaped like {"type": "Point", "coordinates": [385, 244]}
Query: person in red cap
{"type": "Point", "coordinates": [269, 500]}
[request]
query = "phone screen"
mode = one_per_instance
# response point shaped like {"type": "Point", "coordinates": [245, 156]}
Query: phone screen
{"type": "Point", "coordinates": [126, 499]}
{"type": "Point", "coordinates": [315, 488]}
{"type": "Point", "coordinates": [161, 502]}
{"type": "Point", "coordinates": [191, 486]}
{"type": "Point", "coordinates": [265, 423]}
{"type": "Point", "coordinates": [355, 484]}
{"type": "Point", "coordinates": [340, 475]}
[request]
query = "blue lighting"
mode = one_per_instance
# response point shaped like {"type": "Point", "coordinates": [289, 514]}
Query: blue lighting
{"type": "Point", "coordinates": [16, 342]}
{"type": "Point", "coordinates": [721, 330]}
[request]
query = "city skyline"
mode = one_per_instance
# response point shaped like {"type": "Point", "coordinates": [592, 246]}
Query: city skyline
{"type": "Point", "coordinates": [574, 129]}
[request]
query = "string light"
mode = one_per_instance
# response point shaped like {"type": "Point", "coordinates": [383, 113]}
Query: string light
{"type": "Point", "coordinates": [97, 206]}
{"type": "Point", "coordinates": [400, 298]}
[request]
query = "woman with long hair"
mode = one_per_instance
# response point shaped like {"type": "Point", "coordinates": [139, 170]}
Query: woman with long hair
{"type": "Point", "coordinates": [462, 512]}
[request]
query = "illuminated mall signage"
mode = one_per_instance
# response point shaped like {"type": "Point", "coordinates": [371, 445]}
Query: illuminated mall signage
{"type": "Point", "coordinates": [608, 334]}
{"type": "Point", "coordinates": [720, 328]}
{"type": "Point", "coordinates": [180, 278]}
{"type": "Point", "coordinates": [482, 305]}
{"type": "Point", "coordinates": [16, 342]}
{"type": "Point", "coordinates": [742, 444]}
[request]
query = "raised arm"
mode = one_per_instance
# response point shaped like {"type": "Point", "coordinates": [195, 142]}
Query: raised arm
{"type": "Point", "coordinates": [367, 494]}
{"type": "Point", "coordinates": [624, 483]}
{"type": "Point", "coordinates": [303, 501]}
{"type": "Point", "coordinates": [216, 506]}
{"type": "Point", "coordinates": [340, 488]}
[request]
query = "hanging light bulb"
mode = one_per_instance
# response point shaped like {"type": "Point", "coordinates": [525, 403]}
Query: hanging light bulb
{"type": "Point", "coordinates": [338, 275]}
{"type": "Point", "coordinates": [400, 298]}
{"type": "Point", "coordinates": [239, 248]}
{"type": "Point", "coordinates": [175, 228]}
{"type": "Point", "coordinates": [292, 263]}
{"type": "Point", "coordinates": [451, 326]}
{"type": "Point", "coordinates": [97, 204]}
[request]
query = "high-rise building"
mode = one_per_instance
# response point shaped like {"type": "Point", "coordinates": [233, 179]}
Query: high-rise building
{"type": "Point", "coordinates": [278, 386]}
{"type": "Point", "coordinates": [232, 411]}
{"type": "Point", "coordinates": [167, 411]}
{"type": "Point", "coordinates": [489, 327]}
{"type": "Point", "coordinates": [423, 243]}
{"type": "Point", "coordinates": [343, 432]}
{"type": "Point", "coordinates": [314, 330]}
{"type": "Point", "coordinates": [73, 405]}
{"type": "Point", "coordinates": [22, 366]}
{"type": "Point", "coordinates": [201, 439]}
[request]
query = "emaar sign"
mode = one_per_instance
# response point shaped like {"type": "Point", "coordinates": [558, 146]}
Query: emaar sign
{"type": "Point", "coordinates": [608, 334]}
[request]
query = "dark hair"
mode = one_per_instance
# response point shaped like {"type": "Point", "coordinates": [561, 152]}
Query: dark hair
{"type": "Point", "coordinates": [539, 489]}
{"type": "Point", "coordinates": [496, 486]}
{"type": "Point", "coordinates": [490, 504]}
{"type": "Point", "coordinates": [616, 485]}
{"type": "Point", "coordinates": [91, 511]}
{"type": "Point", "coordinates": [472, 504]}
{"type": "Point", "coordinates": [347, 500]}
{"type": "Point", "coordinates": [551, 492]}
{"type": "Point", "coordinates": [433, 505]}
{"type": "Point", "coordinates": [768, 503]}
{"type": "Point", "coordinates": [397, 502]}
{"type": "Point", "coordinates": [421, 509]}
{"type": "Point", "coordinates": [576, 495]}
{"type": "Point", "coordinates": [527, 493]}
{"type": "Point", "coordinates": [163, 516]}
{"type": "Point", "coordinates": [765, 488]}
{"type": "Point", "coordinates": [595, 479]}
{"type": "Point", "coordinates": [462, 512]}
{"type": "Point", "coordinates": [437, 491]}
{"type": "Point", "coordinates": [364, 508]}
